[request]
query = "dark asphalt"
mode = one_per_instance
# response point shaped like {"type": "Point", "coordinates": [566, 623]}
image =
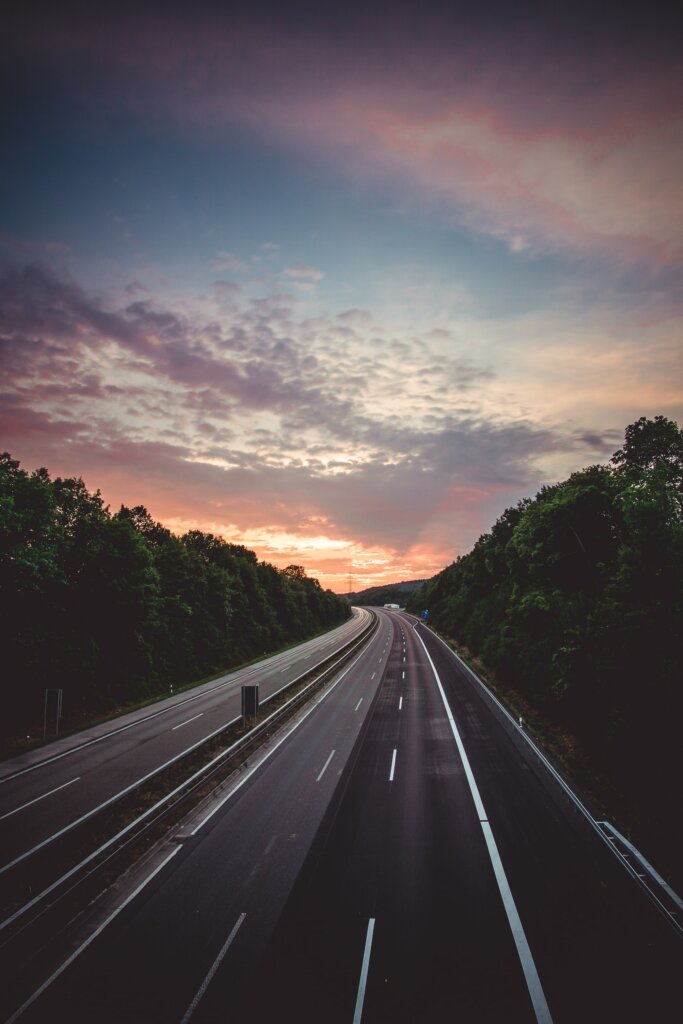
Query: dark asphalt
{"type": "Point", "coordinates": [410, 854]}
{"type": "Point", "coordinates": [36, 804]}
{"type": "Point", "coordinates": [315, 845]}
{"type": "Point", "coordinates": [151, 960]}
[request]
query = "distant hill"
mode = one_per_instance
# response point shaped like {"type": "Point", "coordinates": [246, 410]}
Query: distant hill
{"type": "Point", "coordinates": [388, 593]}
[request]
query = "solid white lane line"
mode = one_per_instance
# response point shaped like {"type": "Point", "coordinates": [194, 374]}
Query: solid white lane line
{"type": "Point", "coordinates": [91, 938]}
{"type": "Point", "coordinates": [400, 703]}
{"type": "Point", "coordinates": [358, 1013]}
{"type": "Point", "coordinates": [187, 722]}
{"type": "Point", "coordinates": [214, 967]}
{"type": "Point", "coordinates": [358, 704]}
{"type": "Point", "coordinates": [322, 771]}
{"type": "Point", "coordinates": [533, 981]}
{"type": "Point", "coordinates": [393, 766]}
{"type": "Point", "coordinates": [55, 790]}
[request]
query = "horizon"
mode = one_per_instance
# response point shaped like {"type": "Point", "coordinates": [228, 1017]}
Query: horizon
{"type": "Point", "coordinates": [337, 285]}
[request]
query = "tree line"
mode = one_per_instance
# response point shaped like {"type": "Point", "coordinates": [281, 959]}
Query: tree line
{"type": "Point", "coordinates": [575, 599]}
{"type": "Point", "coordinates": [114, 608]}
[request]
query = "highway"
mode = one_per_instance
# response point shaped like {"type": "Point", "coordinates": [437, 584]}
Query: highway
{"type": "Point", "coordinates": [47, 789]}
{"type": "Point", "coordinates": [393, 856]}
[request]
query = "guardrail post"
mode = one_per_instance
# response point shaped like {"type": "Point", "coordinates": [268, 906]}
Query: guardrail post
{"type": "Point", "coordinates": [250, 702]}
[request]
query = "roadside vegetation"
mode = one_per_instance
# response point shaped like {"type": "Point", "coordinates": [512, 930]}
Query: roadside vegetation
{"type": "Point", "coordinates": [574, 601]}
{"type": "Point", "coordinates": [114, 609]}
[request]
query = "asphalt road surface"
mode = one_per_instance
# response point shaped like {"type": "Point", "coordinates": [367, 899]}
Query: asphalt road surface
{"type": "Point", "coordinates": [396, 857]}
{"type": "Point", "coordinates": [48, 789]}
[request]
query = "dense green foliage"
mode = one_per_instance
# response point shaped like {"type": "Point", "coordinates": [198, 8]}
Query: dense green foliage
{"type": "Point", "coordinates": [115, 608]}
{"type": "Point", "coordinates": [575, 599]}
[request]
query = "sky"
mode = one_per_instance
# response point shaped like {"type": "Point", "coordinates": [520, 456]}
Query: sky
{"type": "Point", "coordinates": [337, 282]}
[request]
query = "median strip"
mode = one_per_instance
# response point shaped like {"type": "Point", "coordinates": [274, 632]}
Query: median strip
{"type": "Point", "coordinates": [160, 807]}
{"type": "Point", "coordinates": [91, 938]}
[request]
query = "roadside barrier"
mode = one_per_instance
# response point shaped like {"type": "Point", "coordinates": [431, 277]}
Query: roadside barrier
{"type": "Point", "coordinates": [667, 902]}
{"type": "Point", "coordinates": [60, 865]}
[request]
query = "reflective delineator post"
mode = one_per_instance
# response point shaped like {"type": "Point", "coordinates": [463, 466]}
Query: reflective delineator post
{"type": "Point", "coordinates": [57, 709]}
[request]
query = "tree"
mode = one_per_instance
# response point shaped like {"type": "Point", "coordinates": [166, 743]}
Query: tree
{"type": "Point", "coordinates": [295, 572]}
{"type": "Point", "coordinates": [114, 608]}
{"type": "Point", "coordinates": [651, 443]}
{"type": "Point", "coordinates": [575, 599]}
{"type": "Point", "coordinates": [652, 460]}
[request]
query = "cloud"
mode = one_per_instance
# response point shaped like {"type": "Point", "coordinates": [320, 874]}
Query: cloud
{"type": "Point", "coordinates": [540, 129]}
{"type": "Point", "coordinates": [622, 184]}
{"type": "Point", "coordinates": [228, 261]}
{"type": "Point", "coordinates": [59, 343]}
{"type": "Point", "coordinates": [264, 422]}
{"type": "Point", "coordinates": [305, 272]}
{"type": "Point", "coordinates": [377, 435]}
{"type": "Point", "coordinates": [398, 445]}
{"type": "Point", "coordinates": [303, 277]}
{"type": "Point", "coordinates": [227, 289]}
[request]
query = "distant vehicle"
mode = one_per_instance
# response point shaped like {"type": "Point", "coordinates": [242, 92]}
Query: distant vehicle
{"type": "Point", "coordinates": [394, 606]}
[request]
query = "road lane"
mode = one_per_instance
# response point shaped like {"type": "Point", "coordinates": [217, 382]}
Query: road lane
{"type": "Point", "coordinates": [109, 759]}
{"type": "Point", "coordinates": [314, 847]}
{"type": "Point", "coordinates": [151, 961]}
{"type": "Point", "coordinates": [602, 950]}
{"type": "Point", "coordinates": [408, 856]}
{"type": "Point", "coordinates": [65, 746]}
{"type": "Point", "coordinates": [401, 847]}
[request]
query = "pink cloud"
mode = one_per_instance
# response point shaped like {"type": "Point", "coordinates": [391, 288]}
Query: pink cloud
{"type": "Point", "coordinates": [551, 131]}
{"type": "Point", "coordinates": [622, 186]}
{"type": "Point", "coordinates": [162, 409]}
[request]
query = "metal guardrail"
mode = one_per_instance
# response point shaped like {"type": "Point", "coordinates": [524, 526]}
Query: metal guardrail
{"type": "Point", "coordinates": [667, 902]}
{"type": "Point", "coordinates": [143, 823]}
{"type": "Point", "coordinates": [649, 878]}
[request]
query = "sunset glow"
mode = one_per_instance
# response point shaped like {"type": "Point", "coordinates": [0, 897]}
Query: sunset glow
{"type": "Point", "coordinates": [336, 287]}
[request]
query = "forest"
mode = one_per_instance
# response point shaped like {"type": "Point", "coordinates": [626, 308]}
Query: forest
{"type": "Point", "coordinates": [575, 601]}
{"type": "Point", "coordinates": [114, 609]}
